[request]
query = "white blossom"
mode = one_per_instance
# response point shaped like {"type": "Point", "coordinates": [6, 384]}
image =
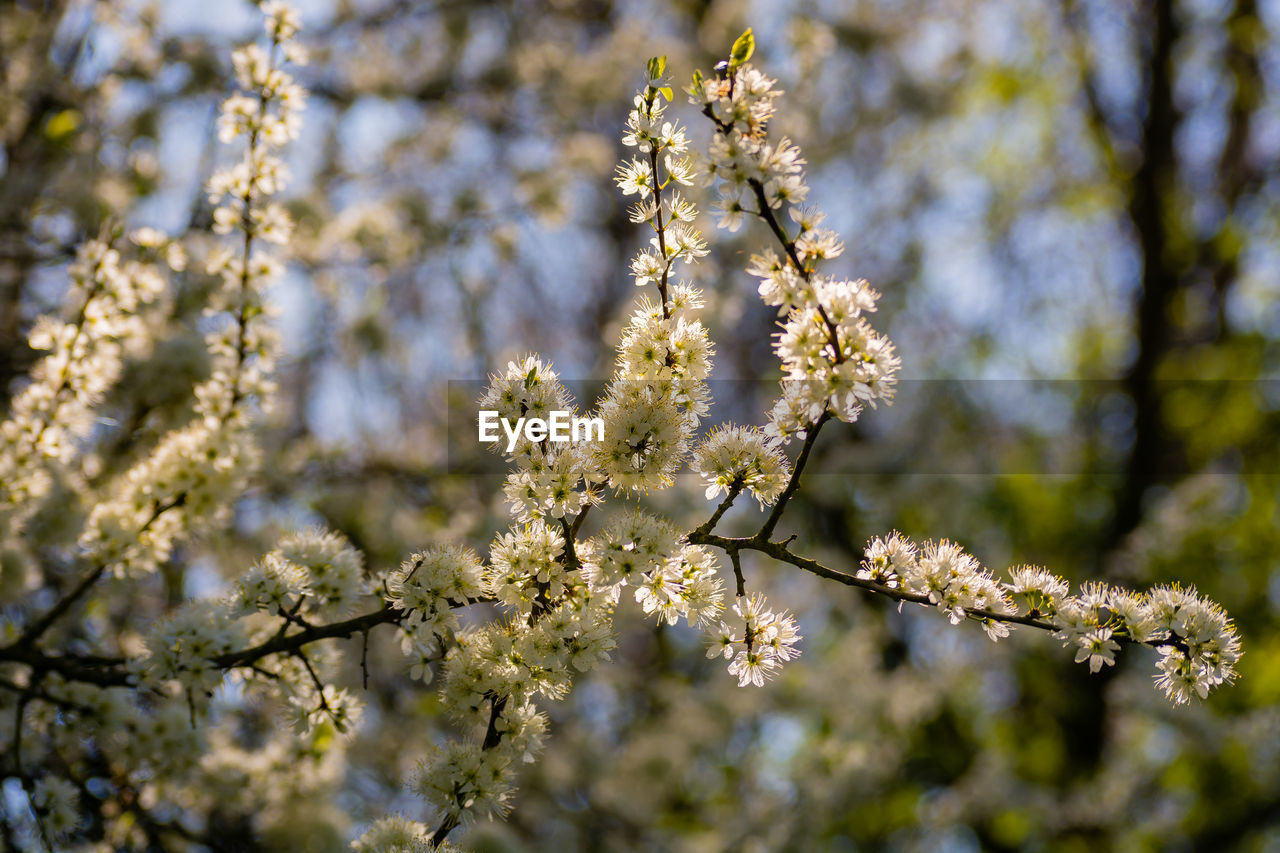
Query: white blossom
{"type": "Point", "coordinates": [741, 458]}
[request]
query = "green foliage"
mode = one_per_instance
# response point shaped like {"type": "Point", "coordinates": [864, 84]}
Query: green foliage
{"type": "Point", "coordinates": [743, 48]}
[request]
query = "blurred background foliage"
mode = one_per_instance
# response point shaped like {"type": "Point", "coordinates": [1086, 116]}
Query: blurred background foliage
{"type": "Point", "coordinates": [1071, 208]}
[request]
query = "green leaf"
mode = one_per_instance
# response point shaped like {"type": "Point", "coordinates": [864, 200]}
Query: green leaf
{"type": "Point", "coordinates": [742, 49]}
{"type": "Point", "coordinates": [667, 93]}
{"type": "Point", "coordinates": [62, 126]}
{"type": "Point", "coordinates": [657, 65]}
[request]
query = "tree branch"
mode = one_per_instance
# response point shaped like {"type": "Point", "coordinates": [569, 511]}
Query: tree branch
{"type": "Point", "coordinates": [811, 436]}
{"type": "Point", "coordinates": [780, 552]}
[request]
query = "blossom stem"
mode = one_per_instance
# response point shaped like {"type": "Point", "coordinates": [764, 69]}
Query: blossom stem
{"type": "Point", "coordinates": [246, 223]}
{"type": "Point", "coordinates": [738, 578]}
{"type": "Point", "coordinates": [789, 246]}
{"type": "Point", "coordinates": [661, 229]}
{"type": "Point", "coordinates": [735, 489]}
{"type": "Point", "coordinates": [811, 437]}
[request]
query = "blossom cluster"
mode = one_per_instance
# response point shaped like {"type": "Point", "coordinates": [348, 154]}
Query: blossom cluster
{"type": "Point", "coordinates": [86, 354]}
{"type": "Point", "coordinates": [671, 579]}
{"type": "Point", "coordinates": [429, 581]}
{"type": "Point", "coordinates": [549, 480]}
{"type": "Point", "coordinates": [549, 585]}
{"type": "Point", "coordinates": [1198, 643]}
{"type": "Point", "coordinates": [765, 642]}
{"type": "Point", "coordinates": [145, 705]}
{"type": "Point", "coordinates": [397, 834]}
{"type": "Point", "coordinates": [734, 458]}
{"type": "Point", "coordinates": [493, 672]}
{"type": "Point", "coordinates": [658, 394]}
{"type": "Point", "coordinates": [180, 649]}
{"type": "Point", "coordinates": [664, 342]}
{"type": "Point", "coordinates": [942, 573]}
{"type": "Point", "coordinates": [313, 573]}
{"type": "Point", "coordinates": [196, 471]}
{"type": "Point", "coordinates": [557, 589]}
{"type": "Point", "coordinates": [57, 802]}
{"type": "Point", "coordinates": [832, 359]}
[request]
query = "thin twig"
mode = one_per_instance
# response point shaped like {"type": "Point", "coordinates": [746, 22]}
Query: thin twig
{"type": "Point", "coordinates": [577, 522]}
{"type": "Point", "coordinates": [735, 489]}
{"type": "Point", "coordinates": [789, 246]}
{"type": "Point", "coordinates": [658, 226]}
{"type": "Point", "coordinates": [364, 659]}
{"type": "Point", "coordinates": [811, 436]}
{"type": "Point", "coordinates": [737, 573]}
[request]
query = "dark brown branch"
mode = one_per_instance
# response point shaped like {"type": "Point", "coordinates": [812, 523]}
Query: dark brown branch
{"type": "Point", "coordinates": [740, 581]}
{"type": "Point", "coordinates": [811, 436]}
{"type": "Point", "coordinates": [735, 489]}
{"type": "Point", "coordinates": [34, 692]}
{"type": "Point", "coordinates": [789, 246]}
{"type": "Point", "coordinates": [364, 659]}
{"type": "Point", "coordinates": [1154, 178]}
{"type": "Point", "coordinates": [492, 737]}
{"type": "Point", "coordinates": [69, 667]}
{"type": "Point", "coordinates": [290, 643]}
{"type": "Point", "coordinates": [577, 522]}
{"type": "Point", "coordinates": [660, 228]}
